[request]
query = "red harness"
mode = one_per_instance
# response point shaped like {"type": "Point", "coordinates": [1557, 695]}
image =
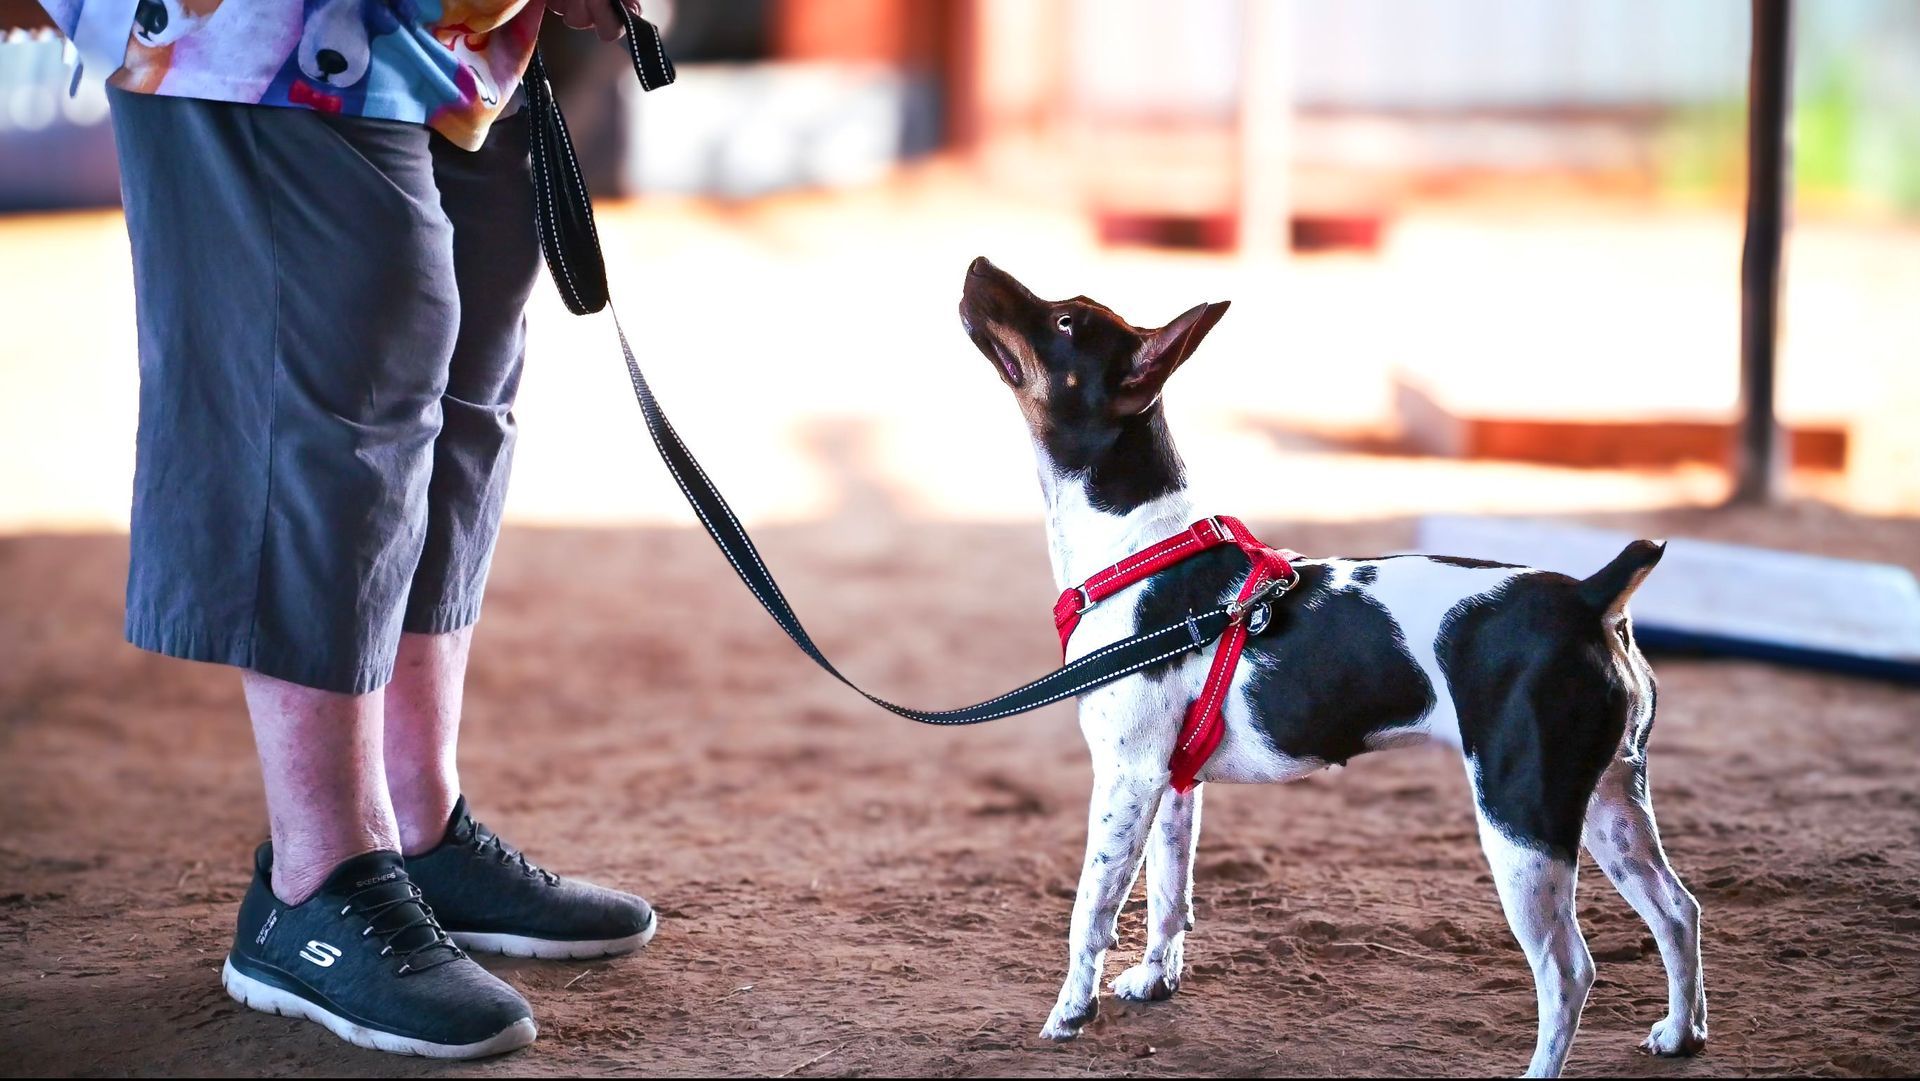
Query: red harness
{"type": "Point", "coordinates": [1270, 575]}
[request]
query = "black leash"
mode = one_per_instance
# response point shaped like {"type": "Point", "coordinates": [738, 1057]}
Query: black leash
{"type": "Point", "coordinates": [572, 248]}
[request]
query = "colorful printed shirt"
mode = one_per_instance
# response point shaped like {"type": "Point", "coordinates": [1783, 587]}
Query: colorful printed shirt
{"type": "Point", "coordinates": [451, 64]}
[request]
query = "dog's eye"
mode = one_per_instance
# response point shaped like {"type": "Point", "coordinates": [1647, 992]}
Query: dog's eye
{"type": "Point", "coordinates": [1065, 323]}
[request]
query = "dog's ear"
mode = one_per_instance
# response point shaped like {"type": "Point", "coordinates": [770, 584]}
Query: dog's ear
{"type": "Point", "coordinates": [1163, 351]}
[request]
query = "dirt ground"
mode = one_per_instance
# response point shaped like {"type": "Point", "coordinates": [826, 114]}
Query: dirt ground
{"type": "Point", "coordinates": [844, 893]}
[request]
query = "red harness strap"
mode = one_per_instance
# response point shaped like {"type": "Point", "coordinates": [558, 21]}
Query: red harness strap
{"type": "Point", "coordinates": [1270, 574]}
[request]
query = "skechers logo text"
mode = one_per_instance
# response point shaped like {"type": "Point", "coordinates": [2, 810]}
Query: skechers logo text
{"type": "Point", "coordinates": [320, 953]}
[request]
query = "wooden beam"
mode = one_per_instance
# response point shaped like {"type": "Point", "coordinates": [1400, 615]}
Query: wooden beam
{"type": "Point", "coordinates": [1761, 469]}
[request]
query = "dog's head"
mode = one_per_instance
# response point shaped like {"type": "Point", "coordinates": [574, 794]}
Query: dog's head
{"type": "Point", "coordinates": [336, 41]}
{"type": "Point", "coordinates": [1081, 374]}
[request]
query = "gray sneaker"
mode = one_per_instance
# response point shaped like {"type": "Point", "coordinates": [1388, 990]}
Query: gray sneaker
{"type": "Point", "coordinates": [491, 898]}
{"type": "Point", "coordinates": [365, 958]}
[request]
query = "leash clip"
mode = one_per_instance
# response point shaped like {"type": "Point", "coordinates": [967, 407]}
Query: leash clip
{"type": "Point", "coordinates": [1272, 589]}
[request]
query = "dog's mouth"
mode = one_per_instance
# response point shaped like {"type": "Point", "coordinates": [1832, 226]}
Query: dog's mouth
{"type": "Point", "coordinates": [1007, 363]}
{"type": "Point", "coordinates": [988, 292]}
{"type": "Point", "coordinates": [988, 343]}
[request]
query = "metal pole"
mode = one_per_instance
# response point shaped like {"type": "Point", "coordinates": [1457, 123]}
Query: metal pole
{"type": "Point", "coordinates": [1265, 129]}
{"type": "Point", "coordinates": [1762, 452]}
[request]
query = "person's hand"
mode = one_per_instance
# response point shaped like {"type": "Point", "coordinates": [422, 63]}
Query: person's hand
{"type": "Point", "coordinates": [595, 15]}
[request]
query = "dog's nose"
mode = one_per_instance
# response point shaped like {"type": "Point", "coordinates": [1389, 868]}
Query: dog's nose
{"type": "Point", "coordinates": [330, 62]}
{"type": "Point", "coordinates": [979, 266]}
{"type": "Point", "coordinates": [151, 17]}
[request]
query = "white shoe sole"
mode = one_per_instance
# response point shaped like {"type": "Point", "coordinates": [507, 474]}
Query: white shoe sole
{"type": "Point", "coordinates": [267, 998]}
{"type": "Point", "coordinates": [548, 949]}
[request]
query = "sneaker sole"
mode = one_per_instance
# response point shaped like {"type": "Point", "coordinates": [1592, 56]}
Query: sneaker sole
{"type": "Point", "coordinates": [267, 998]}
{"type": "Point", "coordinates": [553, 949]}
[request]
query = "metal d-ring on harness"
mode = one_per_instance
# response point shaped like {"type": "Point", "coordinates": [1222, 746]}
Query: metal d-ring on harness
{"type": "Point", "coordinates": [572, 248]}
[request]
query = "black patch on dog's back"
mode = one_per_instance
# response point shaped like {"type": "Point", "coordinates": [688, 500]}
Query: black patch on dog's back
{"type": "Point", "coordinates": [1455, 561]}
{"type": "Point", "coordinates": [1541, 705]}
{"type": "Point", "coordinates": [1330, 670]}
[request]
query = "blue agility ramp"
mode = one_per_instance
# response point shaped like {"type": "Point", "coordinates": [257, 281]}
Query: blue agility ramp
{"type": "Point", "coordinates": [1731, 600]}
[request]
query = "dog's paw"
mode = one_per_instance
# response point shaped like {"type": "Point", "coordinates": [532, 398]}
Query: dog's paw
{"type": "Point", "coordinates": [1066, 1021]}
{"type": "Point", "coordinates": [1146, 982]}
{"type": "Point", "coordinates": [1671, 1039]}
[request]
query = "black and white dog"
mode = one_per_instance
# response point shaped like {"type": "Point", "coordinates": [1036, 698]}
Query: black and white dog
{"type": "Point", "coordinates": [1533, 676]}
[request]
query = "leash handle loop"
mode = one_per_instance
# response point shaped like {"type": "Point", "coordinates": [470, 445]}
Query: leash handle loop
{"type": "Point", "coordinates": [562, 210]}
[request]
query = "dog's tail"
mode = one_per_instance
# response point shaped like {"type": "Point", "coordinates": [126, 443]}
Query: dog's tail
{"type": "Point", "coordinates": [1609, 588]}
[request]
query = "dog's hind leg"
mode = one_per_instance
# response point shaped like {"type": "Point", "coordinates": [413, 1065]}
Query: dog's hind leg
{"type": "Point", "coordinates": [1176, 832]}
{"type": "Point", "coordinates": [1621, 836]}
{"type": "Point", "coordinates": [1536, 889]}
{"type": "Point", "coordinates": [1117, 824]}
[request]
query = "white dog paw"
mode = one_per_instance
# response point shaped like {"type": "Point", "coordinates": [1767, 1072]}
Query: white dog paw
{"type": "Point", "coordinates": [1146, 982]}
{"type": "Point", "coordinates": [1671, 1039]}
{"type": "Point", "coordinates": [1067, 1020]}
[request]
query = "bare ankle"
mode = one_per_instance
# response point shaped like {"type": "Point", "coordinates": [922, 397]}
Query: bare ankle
{"type": "Point", "coordinates": [299, 875]}
{"type": "Point", "coordinates": [423, 810]}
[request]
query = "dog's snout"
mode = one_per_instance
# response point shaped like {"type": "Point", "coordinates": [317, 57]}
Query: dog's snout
{"type": "Point", "coordinates": [990, 284]}
{"type": "Point", "coordinates": [990, 294]}
{"type": "Point", "coordinates": [976, 291]}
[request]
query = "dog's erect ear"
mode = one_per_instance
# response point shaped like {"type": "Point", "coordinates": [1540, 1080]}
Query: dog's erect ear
{"type": "Point", "coordinates": [1163, 351]}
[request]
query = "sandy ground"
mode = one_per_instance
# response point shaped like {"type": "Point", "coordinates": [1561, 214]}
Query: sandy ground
{"type": "Point", "coordinates": [847, 894]}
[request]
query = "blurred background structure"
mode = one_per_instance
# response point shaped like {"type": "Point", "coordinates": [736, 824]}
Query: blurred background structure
{"type": "Point", "coordinates": [1459, 233]}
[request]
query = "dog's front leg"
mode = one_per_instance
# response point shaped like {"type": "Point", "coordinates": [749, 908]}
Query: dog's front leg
{"type": "Point", "coordinates": [1123, 802]}
{"type": "Point", "coordinates": [1176, 831]}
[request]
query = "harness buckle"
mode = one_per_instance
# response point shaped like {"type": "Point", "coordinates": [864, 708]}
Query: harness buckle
{"type": "Point", "coordinates": [1219, 528]}
{"type": "Point", "coordinates": [1086, 601]}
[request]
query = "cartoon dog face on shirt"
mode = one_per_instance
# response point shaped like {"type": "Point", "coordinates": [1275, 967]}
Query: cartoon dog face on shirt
{"type": "Point", "coordinates": [335, 43]}
{"type": "Point", "coordinates": [158, 23]}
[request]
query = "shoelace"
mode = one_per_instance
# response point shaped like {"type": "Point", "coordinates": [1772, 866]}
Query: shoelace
{"type": "Point", "coordinates": [436, 938]}
{"type": "Point", "coordinates": [486, 842]}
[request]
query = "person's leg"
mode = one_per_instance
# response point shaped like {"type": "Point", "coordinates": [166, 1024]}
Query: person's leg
{"type": "Point", "coordinates": [486, 195]}
{"type": "Point", "coordinates": [320, 762]}
{"type": "Point", "coordinates": [422, 733]}
{"type": "Point", "coordinates": [296, 310]}
{"type": "Point", "coordinates": [488, 895]}
{"type": "Point", "coordinates": [289, 394]}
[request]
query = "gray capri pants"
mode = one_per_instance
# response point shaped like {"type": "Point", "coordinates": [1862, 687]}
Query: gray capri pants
{"type": "Point", "coordinates": [331, 337]}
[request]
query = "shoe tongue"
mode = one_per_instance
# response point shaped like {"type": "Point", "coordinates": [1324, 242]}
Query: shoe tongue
{"type": "Point", "coordinates": [375, 880]}
{"type": "Point", "coordinates": [366, 872]}
{"type": "Point", "coordinates": [458, 819]}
